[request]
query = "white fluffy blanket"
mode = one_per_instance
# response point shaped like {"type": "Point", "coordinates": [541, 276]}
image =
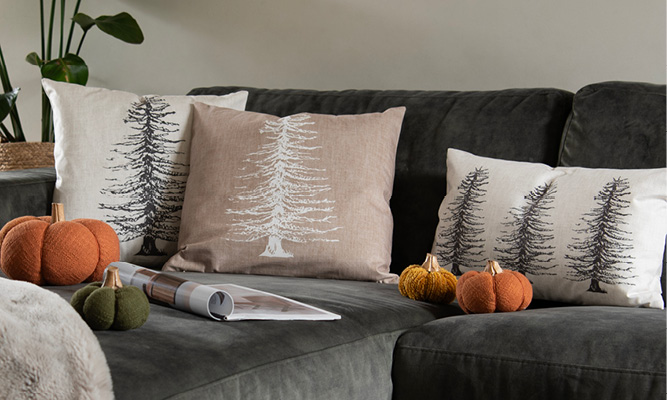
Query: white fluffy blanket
{"type": "Point", "coordinates": [46, 350]}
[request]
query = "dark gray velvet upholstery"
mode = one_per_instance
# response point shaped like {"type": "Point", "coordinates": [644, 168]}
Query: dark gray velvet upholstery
{"type": "Point", "coordinates": [26, 192]}
{"type": "Point", "coordinates": [555, 353]}
{"type": "Point", "coordinates": [514, 124]}
{"type": "Point", "coordinates": [180, 355]}
{"type": "Point", "coordinates": [551, 351]}
{"type": "Point", "coordinates": [616, 125]}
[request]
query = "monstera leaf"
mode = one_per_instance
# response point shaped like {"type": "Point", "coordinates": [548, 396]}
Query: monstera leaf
{"type": "Point", "coordinates": [121, 26]}
{"type": "Point", "coordinates": [70, 68]}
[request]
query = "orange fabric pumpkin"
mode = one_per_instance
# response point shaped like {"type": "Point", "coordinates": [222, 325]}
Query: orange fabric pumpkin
{"type": "Point", "coordinates": [50, 250]}
{"type": "Point", "coordinates": [493, 289]}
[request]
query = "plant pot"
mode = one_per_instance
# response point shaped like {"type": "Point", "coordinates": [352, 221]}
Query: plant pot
{"type": "Point", "coordinates": [24, 155]}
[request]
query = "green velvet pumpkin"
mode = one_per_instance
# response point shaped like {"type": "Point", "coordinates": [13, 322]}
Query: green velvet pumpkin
{"type": "Point", "coordinates": [110, 305]}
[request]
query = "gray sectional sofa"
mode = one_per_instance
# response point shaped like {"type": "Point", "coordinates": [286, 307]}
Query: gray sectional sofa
{"type": "Point", "coordinates": [387, 346]}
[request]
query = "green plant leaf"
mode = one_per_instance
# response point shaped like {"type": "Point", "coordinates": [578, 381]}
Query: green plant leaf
{"type": "Point", "coordinates": [7, 101]}
{"type": "Point", "coordinates": [34, 59]}
{"type": "Point", "coordinates": [121, 26]}
{"type": "Point", "coordinates": [70, 68]}
{"type": "Point", "coordinates": [86, 22]}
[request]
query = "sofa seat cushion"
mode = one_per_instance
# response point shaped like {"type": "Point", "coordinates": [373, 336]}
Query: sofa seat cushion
{"type": "Point", "coordinates": [593, 352]}
{"type": "Point", "coordinates": [180, 355]}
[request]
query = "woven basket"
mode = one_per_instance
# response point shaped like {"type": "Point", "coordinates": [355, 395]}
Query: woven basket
{"type": "Point", "coordinates": [24, 155]}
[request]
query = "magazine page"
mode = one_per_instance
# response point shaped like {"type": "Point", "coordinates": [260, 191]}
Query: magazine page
{"type": "Point", "coordinates": [256, 304]}
{"type": "Point", "coordinates": [226, 302]}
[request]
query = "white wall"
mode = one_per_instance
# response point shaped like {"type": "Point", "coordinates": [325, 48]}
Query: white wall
{"type": "Point", "coordinates": [342, 44]}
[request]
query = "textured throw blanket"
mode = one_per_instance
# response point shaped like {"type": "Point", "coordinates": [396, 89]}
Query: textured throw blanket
{"type": "Point", "coordinates": [46, 350]}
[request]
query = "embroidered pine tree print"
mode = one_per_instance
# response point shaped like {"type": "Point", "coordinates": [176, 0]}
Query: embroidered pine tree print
{"type": "Point", "coordinates": [151, 198]}
{"type": "Point", "coordinates": [462, 242]}
{"type": "Point", "coordinates": [598, 255]}
{"type": "Point", "coordinates": [524, 245]}
{"type": "Point", "coordinates": [288, 204]}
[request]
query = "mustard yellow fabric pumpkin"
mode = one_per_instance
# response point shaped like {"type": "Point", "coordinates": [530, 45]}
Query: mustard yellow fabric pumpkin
{"type": "Point", "coordinates": [428, 282]}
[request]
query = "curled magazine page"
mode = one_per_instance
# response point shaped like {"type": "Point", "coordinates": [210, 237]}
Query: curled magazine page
{"type": "Point", "coordinates": [176, 292]}
{"type": "Point", "coordinates": [255, 304]}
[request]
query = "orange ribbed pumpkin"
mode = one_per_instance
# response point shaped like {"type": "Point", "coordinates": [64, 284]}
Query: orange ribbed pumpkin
{"type": "Point", "coordinates": [493, 289]}
{"type": "Point", "coordinates": [50, 250]}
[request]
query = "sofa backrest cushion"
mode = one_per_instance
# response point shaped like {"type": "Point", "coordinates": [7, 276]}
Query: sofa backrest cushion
{"type": "Point", "coordinates": [514, 124]}
{"type": "Point", "coordinates": [617, 125]}
{"type": "Point", "coordinates": [26, 192]}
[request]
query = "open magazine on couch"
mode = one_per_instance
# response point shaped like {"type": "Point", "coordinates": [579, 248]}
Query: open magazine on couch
{"type": "Point", "coordinates": [226, 302]}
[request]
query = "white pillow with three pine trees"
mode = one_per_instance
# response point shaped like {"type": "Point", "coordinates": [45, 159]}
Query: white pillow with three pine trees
{"type": "Point", "coordinates": [583, 236]}
{"type": "Point", "coordinates": [124, 159]}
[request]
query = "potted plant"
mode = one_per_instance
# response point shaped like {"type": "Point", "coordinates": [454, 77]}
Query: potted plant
{"type": "Point", "coordinates": [15, 152]}
{"type": "Point", "coordinates": [63, 65]}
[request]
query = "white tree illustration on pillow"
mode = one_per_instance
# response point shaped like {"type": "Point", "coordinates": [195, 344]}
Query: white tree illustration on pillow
{"type": "Point", "coordinates": [287, 202]}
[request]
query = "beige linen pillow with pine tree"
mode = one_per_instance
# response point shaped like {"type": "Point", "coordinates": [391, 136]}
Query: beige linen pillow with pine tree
{"type": "Point", "coordinates": [304, 195]}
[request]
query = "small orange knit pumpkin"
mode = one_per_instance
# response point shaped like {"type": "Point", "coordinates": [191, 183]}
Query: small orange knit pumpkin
{"type": "Point", "coordinates": [428, 282]}
{"type": "Point", "coordinates": [493, 289]}
{"type": "Point", "coordinates": [50, 250]}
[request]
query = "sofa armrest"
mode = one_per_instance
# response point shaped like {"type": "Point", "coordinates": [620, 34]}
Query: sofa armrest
{"type": "Point", "coordinates": [26, 192]}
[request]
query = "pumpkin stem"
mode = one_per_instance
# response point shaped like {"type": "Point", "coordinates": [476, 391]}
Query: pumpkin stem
{"type": "Point", "coordinates": [493, 267]}
{"type": "Point", "coordinates": [431, 263]}
{"type": "Point", "coordinates": [57, 212]}
{"type": "Point", "coordinates": [112, 278]}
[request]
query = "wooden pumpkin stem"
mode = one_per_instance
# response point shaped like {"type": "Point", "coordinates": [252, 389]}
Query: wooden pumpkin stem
{"type": "Point", "coordinates": [57, 212]}
{"type": "Point", "coordinates": [112, 278]}
{"type": "Point", "coordinates": [431, 263]}
{"type": "Point", "coordinates": [493, 267]}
